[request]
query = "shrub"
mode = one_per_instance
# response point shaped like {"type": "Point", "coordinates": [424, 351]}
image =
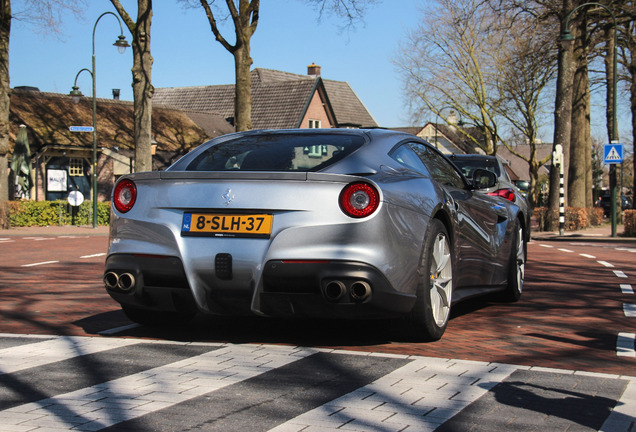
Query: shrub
{"type": "Point", "coordinates": [45, 213]}
{"type": "Point", "coordinates": [630, 222]}
{"type": "Point", "coordinates": [575, 218]}
{"type": "Point", "coordinates": [595, 215]}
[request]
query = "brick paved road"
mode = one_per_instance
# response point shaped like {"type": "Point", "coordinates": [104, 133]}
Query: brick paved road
{"type": "Point", "coordinates": [569, 317]}
{"type": "Point", "coordinates": [572, 311]}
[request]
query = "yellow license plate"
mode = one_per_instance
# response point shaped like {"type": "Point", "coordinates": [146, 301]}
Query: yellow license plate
{"type": "Point", "coordinates": [227, 225]}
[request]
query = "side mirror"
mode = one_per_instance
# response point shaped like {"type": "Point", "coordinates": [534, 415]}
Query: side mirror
{"type": "Point", "coordinates": [484, 179]}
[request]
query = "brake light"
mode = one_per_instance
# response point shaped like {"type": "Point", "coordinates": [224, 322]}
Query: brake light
{"type": "Point", "coordinates": [125, 195]}
{"type": "Point", "coordinates": [508, 194]}
{"type": "Point", "coordinates": [359, 200]}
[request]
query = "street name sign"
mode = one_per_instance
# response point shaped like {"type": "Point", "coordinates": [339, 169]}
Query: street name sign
{"type": "Point", "coordinates": [613, 153]}
{"type": "Point", "coordinates": [81, 128]}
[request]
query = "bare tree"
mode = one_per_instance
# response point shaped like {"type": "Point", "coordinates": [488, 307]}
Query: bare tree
{"type": "Point", "coordinates": [245, 20]}
{"type": "Point", "coordinates": [628, 59]}
{"type": "Point", "coordinates": [142, 81]}
{"type": "Point", "coordinates": [528, 67]}
{"type": "Point", "coordinates": [580, 135]}
{"type": "Point", "coordinates": [450, 60]}
{"type": "Point", "coordinates": [244, 17]}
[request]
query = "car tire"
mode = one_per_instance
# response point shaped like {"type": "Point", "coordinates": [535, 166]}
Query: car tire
{"type": "Point", "coordinates": [153, 318]}
{"type": "Point", "coordinates": [430, 314]}
{"type": "Point", "coordinates": [516, 265]}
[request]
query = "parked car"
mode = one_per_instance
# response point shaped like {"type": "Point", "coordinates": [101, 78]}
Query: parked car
{"type": "Point", "coordinates": [505, 187]}
{"type": "Point", "coordinates": [334, 223]}
{"type": "Point", "coordinates": [606, 204]}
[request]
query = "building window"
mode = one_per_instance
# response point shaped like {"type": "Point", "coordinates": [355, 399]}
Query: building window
{"type": "Point", "coordinates": [76, 167]}
{"type": "Point", "coordinates": [314, 124]}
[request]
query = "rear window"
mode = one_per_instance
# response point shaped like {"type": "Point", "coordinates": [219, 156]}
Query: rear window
{"type": "Point", "coordinates": [468, 165]}
{"type": "Point", "coordinates": [277, 152]}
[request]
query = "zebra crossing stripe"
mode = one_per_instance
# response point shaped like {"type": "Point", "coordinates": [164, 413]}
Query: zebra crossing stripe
{"type": "Point", "coordinates": [132, 396]}
{"type": "Point", "coordinates": [144, 385]}
{"type": "Point", "coordinates": [53, 350]}
{"type": "Point", "coordinates": [77, 372]}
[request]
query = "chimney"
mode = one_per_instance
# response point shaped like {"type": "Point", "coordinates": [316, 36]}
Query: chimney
{"type": "Point", "coordinates": [116, 94]}
{"type": "Point", "coordinates": [313, 70]}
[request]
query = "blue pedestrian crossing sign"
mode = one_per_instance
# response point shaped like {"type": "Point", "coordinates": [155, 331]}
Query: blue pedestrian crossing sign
{"type": "Point", "coordinates": [613, 153]}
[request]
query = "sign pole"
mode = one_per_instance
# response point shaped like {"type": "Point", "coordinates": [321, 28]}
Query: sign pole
{"type": "Point", "coordinates": [557, 158]}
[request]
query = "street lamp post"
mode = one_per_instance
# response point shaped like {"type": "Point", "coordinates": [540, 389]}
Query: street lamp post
{"type": "Point", "coordinates": [121, 45]}
{"type": "Point", "coordinates": [566, 35]}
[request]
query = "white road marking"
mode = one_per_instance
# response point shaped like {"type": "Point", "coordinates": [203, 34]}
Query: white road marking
{"type": "Point", "coordinates": [588, 256]}
{"type": "Point", "coordinates": [620, 274]}
{"type": "Point", "coordinates": [118, 329]}
{"type": "Point", "coordinates": [545, 245]}
{"type": "Point", "coordinates": [629, 310]}
{"type": "Point", "coordinates": [625, 345]}
{"type": "Point", "coordinates": [163, 387]}
{"type": "Point", "coordinates": [39, 263]}
{"type": "Point", "coordinates": [627, 289]}
{"type": "Point", "coordinates": [93, 256]}
{"type": "Point", "coordinates": [605, 263]}
{"type": "Point", "coordinates": [61, 348]}
{"type": "Point", "coordinates": [422, 394]}
{"type": "Point", "coordinates": [632, 250]}
{"type": "Point", "coordinates": [622, 416]}
{"type": "Point", "coordinates": [566, 250]}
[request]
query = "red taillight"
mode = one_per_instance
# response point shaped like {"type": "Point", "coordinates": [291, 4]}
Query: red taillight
{"type": "Point", "coordinates": [359, 200]}
{"type": "Point", "coordinates": [508, 194]}
{"type": "Point", "coordinates": [125, 195]}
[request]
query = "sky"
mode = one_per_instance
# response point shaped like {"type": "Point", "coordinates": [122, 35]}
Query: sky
{"type": "Point", "coordinates": [290, 36]}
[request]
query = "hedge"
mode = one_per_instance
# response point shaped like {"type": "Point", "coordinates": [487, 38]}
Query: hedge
{"type": "Point", "coordinates": [575, 218]}
{"type": "Point", "coordinates": [46, 213]}
{"type": "Point", "coordinates": [630, 222]}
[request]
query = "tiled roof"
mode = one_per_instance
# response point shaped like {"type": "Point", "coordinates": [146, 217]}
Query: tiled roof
{"type": "Point", "coordinates": [49, 115]}
{"type": "Point", "coordinates": [278, 99]}
{"type": "Point", "coordinates": [348, 108]}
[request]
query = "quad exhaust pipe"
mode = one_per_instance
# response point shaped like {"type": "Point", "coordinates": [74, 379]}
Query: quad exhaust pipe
{"type": "Point", "coordinates": [335, 290]}
{"type": "Point", "coordinates": [360, 291]}
{"type": "Point", "coordinates": [125, 281]}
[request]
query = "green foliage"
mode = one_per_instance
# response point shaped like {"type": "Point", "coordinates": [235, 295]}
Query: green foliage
{"type": "Point", "coordinates": [46, 213]}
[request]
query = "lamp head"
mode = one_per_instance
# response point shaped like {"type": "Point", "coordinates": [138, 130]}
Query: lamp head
{"type": "Point", "coordinates": [76, 94]}
{"type": "Point", "coordinates": [121, 44]}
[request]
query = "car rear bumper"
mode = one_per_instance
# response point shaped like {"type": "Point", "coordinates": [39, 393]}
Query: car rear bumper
{"type": "Point", "coordinates": [315, 288]}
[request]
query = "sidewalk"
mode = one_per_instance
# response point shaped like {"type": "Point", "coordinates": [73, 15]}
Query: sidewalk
{"type": "Point", "coordinates": [56, 230]}
{"type": "Point", "coordinates": [594, 234]}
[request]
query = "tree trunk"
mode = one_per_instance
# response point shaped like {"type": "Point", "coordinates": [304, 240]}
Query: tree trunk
{"type": "Point", "coordinates": [5, 31]}
{"type": "Point", "coordinates": [242, 89]}
{"type": "Point", "coordinates": [245, 20]}
{"type": "Point", "coordinates": [589, 177]}
{"type": "Point", "coordinates": [632, 72]}
{"type": "Point", "coordinates": [562, 116]}
{"type": "Point", "coordinates": [579, 138]}
{"type": "Point", "coordinates": [533, 171]}
{"type": "Point", "coordinates": [143, 89]}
